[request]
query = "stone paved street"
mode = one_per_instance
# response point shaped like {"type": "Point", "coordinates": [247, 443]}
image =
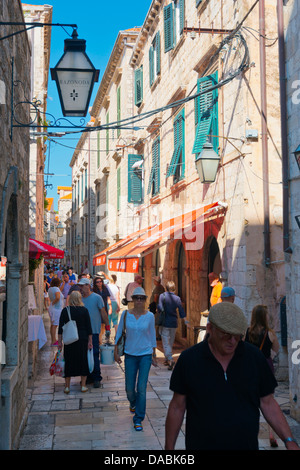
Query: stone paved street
{"type": "Point", "coordinates": [100, 419]}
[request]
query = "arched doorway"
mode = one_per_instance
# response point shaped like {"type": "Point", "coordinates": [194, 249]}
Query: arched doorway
{"type": "Point", "coordinates": [214, 263]}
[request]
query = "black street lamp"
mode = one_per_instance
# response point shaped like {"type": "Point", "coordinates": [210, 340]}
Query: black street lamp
{"type": "Point", "coordinates": [75, 76]}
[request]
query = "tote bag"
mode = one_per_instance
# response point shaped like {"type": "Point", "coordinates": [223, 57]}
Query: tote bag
{"type": "Point", "coordinates": [70, 332]}
{"type": "Point", "coordinates": [121, 341]}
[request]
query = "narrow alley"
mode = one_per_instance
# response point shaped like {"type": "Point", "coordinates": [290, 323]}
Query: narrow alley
{"type": "Point", "coordinates": [100, 419]}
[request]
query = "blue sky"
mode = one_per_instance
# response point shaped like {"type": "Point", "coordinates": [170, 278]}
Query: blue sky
{"type": "Point", "coordinates": [99, 23]}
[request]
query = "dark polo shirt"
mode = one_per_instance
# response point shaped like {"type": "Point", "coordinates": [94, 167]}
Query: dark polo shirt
{"type": "Point", "coordinates": [222, 409]}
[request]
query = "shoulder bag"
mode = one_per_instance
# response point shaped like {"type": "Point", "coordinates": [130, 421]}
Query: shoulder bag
{"type": "Point", "coordinates": [121, 340]}
{"type": "Point", "coordinates": [162, 314]}
{"type": "Point", "coordinates": [70, 332]}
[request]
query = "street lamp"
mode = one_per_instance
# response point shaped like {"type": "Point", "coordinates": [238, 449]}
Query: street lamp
{"type": "Point", "coordinates": [75, 76]}
{"type": "Point", "coordinates": [207, 164]}
{"type": "Point", "coordinates": [60, 230]}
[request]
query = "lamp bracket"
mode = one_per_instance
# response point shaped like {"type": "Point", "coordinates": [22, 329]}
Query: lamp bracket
{"type": "Point", "coordinates": [38, 119]}
{"type": "Point", "coordinates": [30, 26]}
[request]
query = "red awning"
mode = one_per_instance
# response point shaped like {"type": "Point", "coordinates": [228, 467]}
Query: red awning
{"type": "Point", "coordinates": [188, 227]}
{"type": "Point", "coordinates": [38, 248]}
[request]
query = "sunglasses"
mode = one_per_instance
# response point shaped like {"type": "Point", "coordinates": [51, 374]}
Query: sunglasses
{"type": "Point", "coordinates": [139, 297]}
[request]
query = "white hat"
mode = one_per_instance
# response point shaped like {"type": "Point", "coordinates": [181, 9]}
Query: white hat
{"type": "Point", "coordinates": [83, 281]}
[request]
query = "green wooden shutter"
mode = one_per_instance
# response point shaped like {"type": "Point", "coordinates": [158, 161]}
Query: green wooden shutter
{"type": "Point", "coordinates": [151, 65]}
{"type": "Point", "coordinates": [157, 42]}
{"type": "Point", "coordinates": [181, 15]}
{"type": "Point", "coordinates": [178, 153]}
{"type": "Point", "coordinates": [206, 113]}
{"type": "Point", "coordinates": [138, 86]}
{"type": "Point", "coordinates": [169, 27]}
{"type": "Point", "coordinates": [107, 133]}
{"type": "Point", "coordinates": [154, 180]}
{"type": "Point", "coordinates": [98, 149]}
{"type": "Point", "coordinates": [135, 181]}
{"type": "Point", "coordinates": [119, 109]}
{"type": "Point", "coordinates": [118, 188]}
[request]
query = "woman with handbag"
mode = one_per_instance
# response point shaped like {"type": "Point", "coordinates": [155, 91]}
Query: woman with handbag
{"type": "Point", "coordinates": [139, 350]}
{"type": "Point", "coordinates": [260, 335]}
{"type": "Point", "coordinates": [76, 353]}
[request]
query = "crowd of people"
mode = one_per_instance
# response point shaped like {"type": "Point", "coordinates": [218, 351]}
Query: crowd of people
{"type": "Point", "coordinates": [222, 383]}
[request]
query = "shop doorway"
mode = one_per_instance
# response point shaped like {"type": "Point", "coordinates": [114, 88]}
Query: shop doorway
{"type": "Point", "coordinates": [182, 288]}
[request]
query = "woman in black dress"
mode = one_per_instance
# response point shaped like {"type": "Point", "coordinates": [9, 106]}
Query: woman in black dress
{"type": "Point", "coordinates": [261, 335]}
{"type": "Point", "coordinates": [75, 354]}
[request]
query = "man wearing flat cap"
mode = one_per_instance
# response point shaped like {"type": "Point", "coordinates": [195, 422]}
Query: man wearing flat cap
{"type": "Point", "coordinates": [222, 384]}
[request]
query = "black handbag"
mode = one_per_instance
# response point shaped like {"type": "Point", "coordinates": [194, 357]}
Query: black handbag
{"type": "Point", "coordinates": [162, 314]}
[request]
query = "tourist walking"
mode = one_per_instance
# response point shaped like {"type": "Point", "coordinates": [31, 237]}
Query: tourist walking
{"type": "Point", "coordinates": [140, 347]}
{"type": "Point", "coordinates": [171, 305]}
{"type": "Point", "coordinates": [138, 282]}
{"type": "Point", "coordinates": [262, 336]}
{"type": "Point", "coordinates": [222, 383]}
{"type": "Point", "coordinates": [95, 305]}
{"type": "Point", "coordinates": [55, 307]}
{"type": "Point", "coordinates": [76, 354]}
{"type": "Point", "coordinates": [216, 285]}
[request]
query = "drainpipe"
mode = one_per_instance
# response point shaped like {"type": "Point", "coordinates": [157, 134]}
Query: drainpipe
{"type": "Point", "coordinates": [264, 129]}
{"type": "Point", "coordinates": [284, 129]}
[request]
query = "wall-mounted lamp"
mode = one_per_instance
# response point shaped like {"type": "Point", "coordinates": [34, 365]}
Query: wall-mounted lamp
{"type": "Point", "coordinates": [207, 164]}
{"type": "Point", "coordinates": [60, 230]}
{"type": "Point", "coordinates": [297, 156]}
{"type": "Point", "coordinates": [75, 76]}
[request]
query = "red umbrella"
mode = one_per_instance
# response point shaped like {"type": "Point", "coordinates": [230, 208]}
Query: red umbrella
{"type": "Point", "coordinates": [37, 248]}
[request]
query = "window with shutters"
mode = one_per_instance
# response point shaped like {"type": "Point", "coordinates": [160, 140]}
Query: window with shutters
{"type": "Point", "coordinates": [154, 180]}
{"type": "Point", "coordinates": [206, 113]}
{"type": "Point", "coordinates": [98, 149]}
{"type": "Point", "coordinates": [177, 165]}
{"type": "Point", "coordinates": [174, 17]}
{"type": "Point", "coordinates": [135, 179]}
{"type": "Point", "coordinates": [118, 109]}
{"type": "Point", "coordinates": [85, 184]}
{"type": "Point", "coordinates": [118, 188]}
{"type": "Point", "coordinates": [154, 59]}
{"type": "Point", "coordinates": [107, 133]}
{"type": "Point", "coordinates": [138, 86]}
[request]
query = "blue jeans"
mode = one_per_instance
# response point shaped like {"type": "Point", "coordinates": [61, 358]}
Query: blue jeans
{"type": "Point", "coordinates": [95, 376]}
{"type": "Point", "coordinates": [136, 377]}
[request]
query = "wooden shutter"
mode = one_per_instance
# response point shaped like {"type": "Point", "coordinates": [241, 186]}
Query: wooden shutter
{"type": "Point", "coordinates": [135, 181]}
{"type": "Point", "coordinates": [169, 27]}
{"type": "Point", "coordinates": [178, 153]}
{"type": "Point", "coordinates": [118, 188]}
{"type": "Point", "coordinates": [151, 65]}
{"type": "Point", "coordinates": [157, 43]}
{"type": "Point", "coordinates": [154, 180]}
{"type": "Point", "coordinates": [138, 78]}
{"type": "Point", "coordinates": [181, 15]}
{"type": "Point", "coordinates": [206, 112]}
{"type": "Point", "coordinates": [119, 109]}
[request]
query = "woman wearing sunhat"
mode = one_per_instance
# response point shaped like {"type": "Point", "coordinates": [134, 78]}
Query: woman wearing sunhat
{"type": "Point", "coordinates": [139, 350]}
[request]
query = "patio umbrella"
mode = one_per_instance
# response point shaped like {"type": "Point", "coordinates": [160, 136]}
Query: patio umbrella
{"type": "Point", "coordinates": [38, 248]}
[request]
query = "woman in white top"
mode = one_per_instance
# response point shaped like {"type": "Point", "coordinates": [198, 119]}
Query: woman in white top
{"type": "Point", "coordinates": [55, 308]}
{"type": "Point", "coordinates": [140, 345]}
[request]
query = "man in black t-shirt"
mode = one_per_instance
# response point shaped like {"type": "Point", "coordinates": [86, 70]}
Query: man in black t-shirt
{"type": "Point", "coordinates": [222, 383]}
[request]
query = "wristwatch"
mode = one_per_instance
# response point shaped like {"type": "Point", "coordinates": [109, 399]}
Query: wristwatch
{"type": "Point", "coordinates": [289, 439]}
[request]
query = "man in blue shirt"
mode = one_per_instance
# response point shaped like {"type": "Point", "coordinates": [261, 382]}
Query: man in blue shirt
{"type": "Point", "coordinates": [95, 305]}
{"type": "Point", "coordinates": [170, 303]}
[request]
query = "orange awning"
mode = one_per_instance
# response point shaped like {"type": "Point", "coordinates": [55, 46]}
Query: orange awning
{"type": "Point", "coordinates": [188, 227]}
{"type": "Point", "coordinates": [100, 258]}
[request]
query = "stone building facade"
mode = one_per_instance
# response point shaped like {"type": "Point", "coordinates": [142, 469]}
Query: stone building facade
{"type": "Point", "coordinates": [14, 229]}
{"type": "Point", "coordinates": [291, 36]}
{"type": "Point", "coordinates": [241, 235]}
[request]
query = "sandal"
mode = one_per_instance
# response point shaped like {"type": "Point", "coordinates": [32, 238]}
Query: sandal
{"type": "Point", "coordinates": [138, 427]}
{"type": "Point", "coordinates": [132, 409]}
{"type": "Point", "coordinates": [84, 389]}
{"type": "Point", "coordinates": [67, 390]}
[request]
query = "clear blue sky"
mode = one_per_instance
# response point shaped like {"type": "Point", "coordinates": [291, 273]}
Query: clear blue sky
{"type": "Point", "coordinates": [99, 22]}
